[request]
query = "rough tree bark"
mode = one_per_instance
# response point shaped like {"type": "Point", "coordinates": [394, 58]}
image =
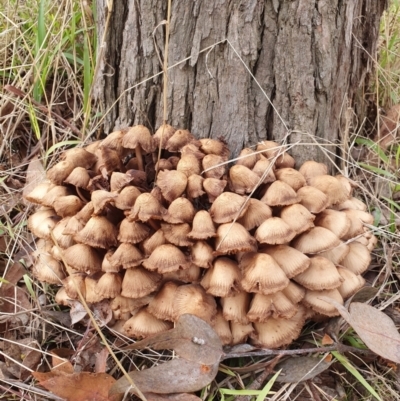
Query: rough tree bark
{"type": "Point", "coordinates": [309, 56]}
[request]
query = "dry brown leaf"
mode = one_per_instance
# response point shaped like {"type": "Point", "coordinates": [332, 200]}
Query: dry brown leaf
{"type": "Point", "coordinates": [192, 339]}
{"type": "Point", "coordinates": [176, 376]}
{"type": "Point", "coordinates": [82, 386]}
{"type": "Point", "coordinates": [77, 311]}
{"type": "Point", "coordinates": [171, 397]}
{"type": "Point", "coordinates": [101, 361]}
{"type": "Point", "coordinates": [59, 361]}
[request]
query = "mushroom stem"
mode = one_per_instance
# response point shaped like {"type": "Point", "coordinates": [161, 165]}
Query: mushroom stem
{"type": "Point", "coordinates": [139, 157]}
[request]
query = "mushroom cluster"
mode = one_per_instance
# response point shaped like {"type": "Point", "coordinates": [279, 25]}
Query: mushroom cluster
{"type": "Point", "coordinates": [250, 245]}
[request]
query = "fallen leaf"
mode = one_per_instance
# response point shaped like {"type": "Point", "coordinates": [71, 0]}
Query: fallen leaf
{"type": "Point", "coordinates": [364, 294]}
{"type": "Point", "coordinates": [295, 370]}
{"type": "Point", "coordinates": [192, 339]}
{"type": "Point", "coordinates": [171, 397]}
{"type": "Point", "coordinates": [77, 311]}
{"type": "Point", "coordinates": [101, 361]}
{"type": "Point", "coordinates": [59, 362]}
{"type": "Point", "coordinates": [82, 386]}
{"type": "Point", "coordinates": [176, 376]}
{"type": "Point", "coordinates": [374, 327]}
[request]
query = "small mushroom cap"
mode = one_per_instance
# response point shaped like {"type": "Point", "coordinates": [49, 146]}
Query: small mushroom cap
{"type": "Point", "coordinates": [60, 171]}
{"type": "Point", "coordinates": [202, 254]}
{"type": "Point", "coordinates": [357, 259]}
{"type": "Point", "coordinates": [129, 305]}
{"type": "Point", "coordinates": [265, 170]}
{"type": "Point", "coordinates": [333, 220]}
{"type": "Point", "coordinates": [351, 282]}
{"type": "Point", "coordinates": [331, 187]}
{"type": "Point", "coordinates": [114, 141]}
{"type": "Point", "coordinates": [276, 332]}
{"type": "Point", "coordinates": [91, 295]}
{"type": "Point", "coordinates": [235, 308]}
{"type": "Point", "coordinates": [109, 285]}
{"type": "Point", "coordinates": [120, 180]}
{"type": "Point", "coordinates": [177, 234]}
{"type": "Point", "coordinates": [132, 232]}
{"type": "Point", "coordinates": [276, 305]}
{"type": "Point", "coordinates": [242, 180]}
{"type": "Point", "coordinates": [63, 241]}
{"type": "Point", "coordinates": [214, 187]}
{"type": "Point", "coordinates": [106, 265]}
{"type": "Point", "coordinates": [62, 297]}
{"type": "Point", "coordinates": [284, 161]}
{"type": "Point", "coordinates": [144, 324]}
{"type": "Point", "coordinates": [139, 135]}
{"type": "Point", "coordinates": [126, 255]}
{"type": "Point", "coordinates": [139, 282]}
{"type": "Point", "coordinates": [321, 275]}
{"type": "Point", "coordinates": [233, 238]}
{"type": "Point", "coordinates": [42, 222]}
{"type": "Point", "coordinates": [79, 157]}
{"type": "Point", "coordinates": [297, 217]}
{"type": "Point", "coordinates": [166, 258]}
{"type": "Point", "coordinates": [240, 332]}
{"type": "Point", "coordinates": [53, 194]}
{"type": "Point", "coordinates": [179, 139]}
{"type": "Point", "coordinates": [161, 306]}
{"type": "Point", "coordinates": [39, 192]}
{"type": "Point", "coordinates": [279, 194]}
{"type": "Point", "coordinates": [222, 328]}
{"type": "Point", "coordinates": [311, 169]}
{"type": "Point", "coordinates": [192, 298]}
{"type": "Point", "coordinates": [48, 270]}
{"type": "Point", "coordinates": [189, 275]}
{"type": "Point", "coordinates": [294, 292]}
{"type": "Point", "coordinates": [313, 199]}
{"type": "Point", "coordinates": [126, 198]}
{"type": "Point", "coordinates": [261, 273]}
{"type": "Point", "coordinates": [147, 207]}
{"type": "Point", "coordinates": [172, 184]}
{"type": "Point", "coordinates": [223, 278]}
{"type": "Point", "coordinates": [256, 213]}
{"type": "Point", "coordinates": [189, 164]}
{"type": "Point", "coordinates": [313, 300]}
{"type": "Point", "coordinates": [227, 207]}
{"type": "Point", "coordinates": [337, 254]}
{"type": "Point", "coordinates": [85, 213]}
{"type": "Point", "coordinates": [93, 146]}
{"type": "Point", "coordinates": [151, 243]}
{"type": "Point", "coordinates": [352, 203]}
{"type": "Point", "coordinates": [291, 177]}
{"type": "Point", "coordinates": [291, 261]}
{"type": "Point", "coordinates": [194, 187]}
{"type": "Point", "coordinates": [67, 205]}
{"type": "Point", "coordinates": [317, 239]}
{"type": "Point", "coordinates": [214, 166]}
{"type": "Point", "coordinates": [108, 160]}
{"type": "Point", "coordinates": [79, 177]}
{"type": "Point", "coordinates": [274, 231]}
{"type": "Point", "coordinates": [181, 210]}
{"type": "Point", "coordinates": [214, 146]}
{"type": "Point", "coordinates": [164, 164]}
{"type": "Point", "coordinates": [247, 158]}
{"type": "Point", "coordinates": [203, 226]}
{"type": "Point", "coordinates": [268, 148]}
{"type": "Point", "coordinates": [83, 258]}
{"type": "Point", "coordinates": [163, 134]}
{"type": "Point", "coordinates": [98, 232]}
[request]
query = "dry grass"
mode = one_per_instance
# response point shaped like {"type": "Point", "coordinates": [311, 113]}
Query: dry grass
{"type": "Point", "coordinates": [47, 51]}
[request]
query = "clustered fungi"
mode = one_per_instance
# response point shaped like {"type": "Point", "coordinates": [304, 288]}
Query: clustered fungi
{"type": "Point", "coordinates": [182, 235]}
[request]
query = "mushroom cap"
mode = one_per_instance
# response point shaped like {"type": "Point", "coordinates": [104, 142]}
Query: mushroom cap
{"type": "Point", "coordinates": [352, 203]}
{"type": "Point", "coordinates": [315, 240]}
{"type": "Point", "coordinates": [62, 297]}
{"type": "Point", "coordinates": [333, 220]}
{"type": "Point", "coordinates": [274, 231]}
{"type": "Point", "coordinates": [265, 170]}
{"type": "Point", "coordinates": [106, 265]}
{"type": "Point", "coordinates": [190, 275]}
{"type": "Point", "coordinates": [351, 282]}
{"type": "Point", "coordinates": [164, 164]}
{"type": "Point", "coordinates": [91, 295]}
{"type": "Point", "coordinates": [194, 187]}
{"type": "Point", "coordinates": [240, 332]}
{"type": "Point", "coordinates": [202, 254]}
{"type": "Point", "coordinates": [127, 198]}
{"type": "Point", "coordinates": [294, 292]}
{"type": "Point", "coordinates": [109, 285]}
{"type": "Point", "coordinates": [233, 238]}
{"type": "Point", "coordinates": [357, 259]}
{"type": "Point", "coordinates": [192, 298]}
{"type": "Point", "coordinates": [79, 157]}
{"type": "Point", "coordinates": [161, 306]}
{"type": "Point", "coordinates": [331, 187]}
{"type": "Point", "coordinates": [114, 141]}
{"type": "Point", "coordinates": [214, 146]}
{"type": "Point", "coordinates": [139, 135]}
{"type": "Point", "coordinates": [313, 199]}
{"type": "Point", "coordinates": [129, 305]}
{"type": "Point", "coordinates": [79, 177]}
{"type": "Point", "coordinates": [120, 180]}
{"type": "Point", "coordinates": [268, 148]}
{"type": "Point", "coordinates": [42, 222]}
{"type": "Point", "coordinates": [228, 207]}
{"type": "Point", "coordinates": [189, 164]}
{"type": "Point", "coordinates": [321, 275]}
{"type": "Point", "coordinates": [297, 217]}
{"type": "Point", "coordinates": [144, 324]}
{"type": "Point", "coordinates": [247, 157]}
{"type": "Point", "coordinates": [83, 258]}
{"type": "Point", "coordinates": [284, 160]}
{"type": "Point", "coordinates": [126, 255]}
{"type": "Point", "coordinates": [312, 300]}
{"type": "Point", "coordinates": [39, 192]}
{"type": "Point", "coordinates": [163, 134]}
{"type": "Point", "coordinates": [242, 180]}
{"type": "Point", "coordinates": [139, 282]}
{"type": "Point", "coordinates": [279, 194]}
{"type": "Point", "coordinates": [311, 169]}
{"type": "Point", "coordinates": [67, 205]}
{"type": "Point", "coordinates": [147, 207]}
{"type": "Point", "coordinates": [63, 240]}
{"type": "Point", "coordinates": [214, 187]}
{"type": "Point", "coordinates": [235, 307]}
{"type": "Point", "coordinates": [203, 226]}
{"type": "Point", "coordinates": [48, 270]}
{"type": "Point", "coordinates": [53, 194]}
{"type": "Point", "coordinates": [256, 213]}
{"type": "Point", "coordinates": [337, 254]}
{"type": "Point", "coordinates": [177, 234]}
{"type": "Point", "coordinates": [291, 261]}
{"type": "Point", "coordinates": [214, 166]}
{"type": "Point", "coordinates": [291, 177]}
{"type": "Point", "coordinates": [222, 328]}
{"type": "Point", "coordinates": [98, 232]}
{"type": "Point", "coordinates": [275, 305]}
{"type": "Point", "coordinates": [223, 278]}
{"type": "Point", "coordinates": [60, 171]}
{"type": "Point", "coordinates": [152, 242]}
{"type": "Point", "coordinates": [261, 273]}
{"type": "Point", "coordinates": [101, 199]}
{"type": "Point", "coordinates": [172, 184]}
{"type": "Point", "coordinates": [181, 210]}
{"type": "Point", "coordinates": [179, 139]}
{"type": "Point", "coordinates": [276, 332]}
{"type": "Point", "coordinates": [166, 258]}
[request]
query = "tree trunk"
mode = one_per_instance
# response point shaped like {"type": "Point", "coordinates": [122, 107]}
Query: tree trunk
{"type": "Point", "coordinates": [309, 57]}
